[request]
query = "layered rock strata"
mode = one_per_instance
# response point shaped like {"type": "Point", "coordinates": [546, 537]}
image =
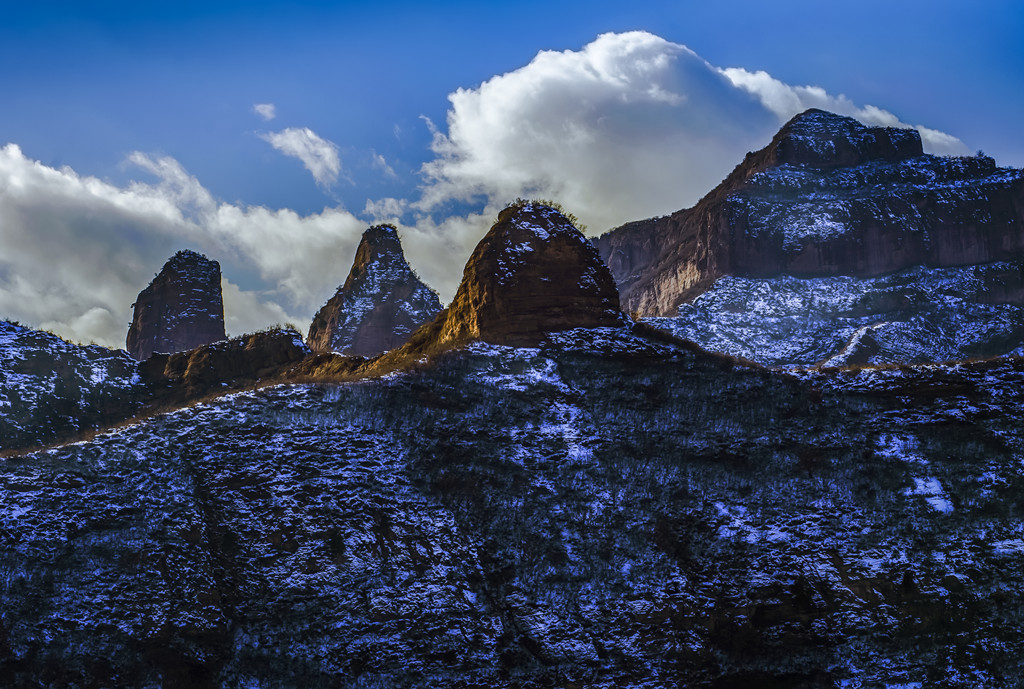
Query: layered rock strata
{"type": "Point", "coordinates": [828, 196]}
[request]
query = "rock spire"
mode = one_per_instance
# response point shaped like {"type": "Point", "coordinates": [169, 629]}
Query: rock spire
{"type": "Point", "coordinates": [381, 302]}
{"type": "Point", "coordinates": [182, 308]}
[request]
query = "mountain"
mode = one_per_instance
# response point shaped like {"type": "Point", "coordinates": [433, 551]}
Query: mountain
{"type": "Point", "coordinates": [51, 389]}
{"type": "Point", "coordinates": [182, 308]}
{"type": "Point", "coordinates": [539, 493]}
{"type": "Point", "coordinates": [827, 197]}
{"type": "Point", "coordinates": [532, 274]}
{"type": "Point", "coordinates": [602, 509]}
{"type": "Point", "coordinates": [381, 302]}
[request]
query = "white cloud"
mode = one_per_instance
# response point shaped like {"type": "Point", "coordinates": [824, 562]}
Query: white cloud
{"type": "Point", "coordinates": [381, 163]}
{"type": "Point", "coordinates": [628, 127]}
{"type": "Point", "coordinates": [386, 209]}
{"type": "Point", "coordinates": [77, 250]}
{"type": "Point", "coordinates": [246, 312]}
{"type": "Point", "coordinates": [265, 110]}
{"type": "Point", "coordinates": [320, 156]}
{"type": "Point", "coordinates": [785, 101]}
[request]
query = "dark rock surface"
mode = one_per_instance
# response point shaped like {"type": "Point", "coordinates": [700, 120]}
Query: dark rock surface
{"type": "Point", "coordinates": [597, 512]}
{"type": "Point", "coordinates": [182, 308]}
{"type": "Point", "coordinates": [230, 364]}
{"type": "Point", "coordinates": [826, 197]}
{"type": "Point", "coordinates": [52, 389]}
{"type": "Point", "coordinates": [381, 302]}
{"type": "Point", "coordinates": [532, 274]}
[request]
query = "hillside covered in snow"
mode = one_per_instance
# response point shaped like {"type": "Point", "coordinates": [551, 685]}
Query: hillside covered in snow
{"type": "Point", "coordinates": [605, 509]}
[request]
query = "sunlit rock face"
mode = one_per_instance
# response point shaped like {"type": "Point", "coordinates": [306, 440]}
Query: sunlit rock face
{"type": "Point", "coordinates": [532, 274]}
{"type": "Point", "coordinates": [235, 362]}
{"type": "Point", "coordinates": [182, 308]}
{"type": "Point", "coordinates": [381, 302]}
{"type": "Point", "coordinates": [828, 196]}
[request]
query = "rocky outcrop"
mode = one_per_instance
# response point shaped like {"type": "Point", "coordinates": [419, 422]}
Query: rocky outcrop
{"type": "Point", "coordinates": [380, 304]}
{"type": "Point", "coordinates": [223, 365]}
{"type": "Point", "coordinates": [828, 196]}
{"type": "Point", "coordinates": [182, 308]}
{"type": "Point", "coordinates": [52, 389]}
{"type": "Point", "coordinates": [532, 274]}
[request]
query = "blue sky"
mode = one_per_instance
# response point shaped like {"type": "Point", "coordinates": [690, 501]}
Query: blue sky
{"type": "Point", "coordinates": [137, 118]}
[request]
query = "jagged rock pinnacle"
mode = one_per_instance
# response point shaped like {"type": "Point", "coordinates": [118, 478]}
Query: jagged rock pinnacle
{"type": "Point", "coordinates": [182, 308]}
{"type": "Point", "coordinates": [381, 302]}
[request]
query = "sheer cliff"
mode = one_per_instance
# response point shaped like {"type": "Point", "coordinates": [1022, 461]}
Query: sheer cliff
{"type": "Point", "coordinates": [182, 308]}
{"type": "Point", "coordinates": [828, 196]}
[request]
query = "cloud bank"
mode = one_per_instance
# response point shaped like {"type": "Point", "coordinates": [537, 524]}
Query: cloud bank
{"type": "Point", "coordinates": [77, 250]}
{"type": "Point", "coordinates": [320, 156]}
{"type": "Point", "coordinates": [630, 126]}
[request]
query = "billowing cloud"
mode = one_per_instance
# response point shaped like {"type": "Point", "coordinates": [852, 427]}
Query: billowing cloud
{"type": "Point", "coordinates": [77, 250]}
{"type": "Point", "coordinates": [785, 101]}
{"type": "Point", "coordinates": [628, 127]}
{"type": "Point", "coordinates": [265, 110]}
{"type": "Point", "coordinates": [320, 156]}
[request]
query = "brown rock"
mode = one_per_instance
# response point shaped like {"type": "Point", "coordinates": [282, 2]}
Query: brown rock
{"type": "Point", "coordinates": [226, 364]}
{"type": "Point", "coordinates": [182, 308]}
{"type": "Point", "coordinates": [532, 273]}
{"type": "Point", "coordinates": [828, 196]}
{"type": "Point", "coordinates": [380, 304]}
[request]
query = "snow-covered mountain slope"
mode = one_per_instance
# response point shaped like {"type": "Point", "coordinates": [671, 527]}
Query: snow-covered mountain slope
{"type": "Point", "coordinates": [51, 388]}
{"type": "Point", "coordinates": [602, 510]}
{"type": "Point", "coordinates": [917, 315]}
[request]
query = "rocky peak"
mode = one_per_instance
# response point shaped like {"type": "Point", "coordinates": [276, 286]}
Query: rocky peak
{"type": "Point", "coordinates": [825, 139]}
{"type": "Point", "coordinates": [827, 196]}
{"type": "Point", "coordinates": [533, 273]}
{"type": "Point", "coordinates": [182, 308]}
{"type": "Point", "coordinates": [381, 302]}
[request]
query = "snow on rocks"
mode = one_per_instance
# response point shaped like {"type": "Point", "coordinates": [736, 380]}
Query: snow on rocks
{"type": "Point", "coordinates": [380, 303]}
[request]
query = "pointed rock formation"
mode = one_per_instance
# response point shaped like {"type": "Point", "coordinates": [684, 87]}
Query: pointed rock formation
{"type": "Point", "coordinates": [380, 304]}
{"type": "Point", "coordinates": [828, 196]}
{"type": "Point", "coordinates": [533, 273]}
{"type": "Point", "coordinates": [182, 308]}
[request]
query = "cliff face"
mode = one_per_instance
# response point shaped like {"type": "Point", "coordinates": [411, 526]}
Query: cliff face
{"type": "Point", "coordinates": [182, 308]}
{"type": "Point", "coordinates": [380, 304]}
{"type": "Point", "coordinates": [828, 196]}
{"type": "Point", "coordinates": [532, 274]}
